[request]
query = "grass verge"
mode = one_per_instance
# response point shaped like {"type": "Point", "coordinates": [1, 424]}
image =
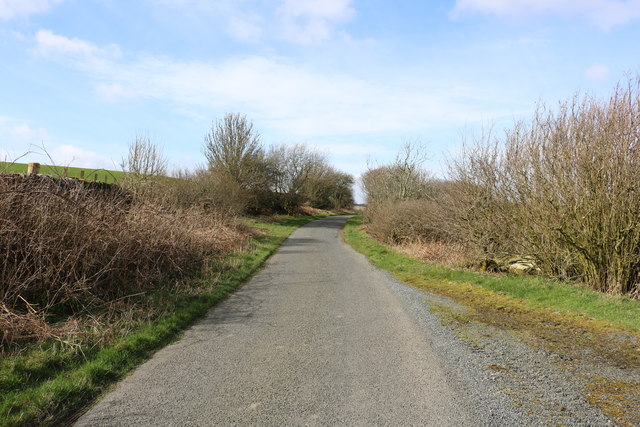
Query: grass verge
{"type": "Point", "coordinates": [586, 326]}
{"type": "Point", "coordinates": [49, 386]}
{"type": "Point", "coordinates": [535, 292]}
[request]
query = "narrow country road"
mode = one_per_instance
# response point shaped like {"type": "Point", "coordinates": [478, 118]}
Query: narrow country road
{"type": "Point", "coordinates": [316, 338]}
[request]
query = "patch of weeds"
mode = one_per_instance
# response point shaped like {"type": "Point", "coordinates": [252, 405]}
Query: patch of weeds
{"type": "Point", "coordinates": [620, 311]}
{"type": "Point", "coordinates": [449, 314]}
{"type": "Point", "coordinates": [574, 336]}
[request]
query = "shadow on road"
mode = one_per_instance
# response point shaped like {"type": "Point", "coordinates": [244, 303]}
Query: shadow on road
{"type": "Point", "coordinates": [294, 241]}
{"type": "Point", "coordinates": [335, 222]}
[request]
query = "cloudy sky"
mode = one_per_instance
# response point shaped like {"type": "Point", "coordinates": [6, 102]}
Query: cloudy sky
{"type": "Point", "coordinates": [355, 78]}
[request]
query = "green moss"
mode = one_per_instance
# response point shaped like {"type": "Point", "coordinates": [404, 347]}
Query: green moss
{"type": "Point", "coordinates": [618, 399]}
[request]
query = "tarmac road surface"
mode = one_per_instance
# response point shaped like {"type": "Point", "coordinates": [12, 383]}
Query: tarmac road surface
{"type": "Point", "coordinates": [316, 338]}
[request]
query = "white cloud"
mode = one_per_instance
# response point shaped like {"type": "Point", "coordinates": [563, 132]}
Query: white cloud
{"type": "Point", "coordinates": [113, 92]}
{"type": "Point", "coordinates": [22, 142]}
{"type": "Point", "coordinates": [313, 21]}
{"type": "Point", "coordinates": [245, 29]}
{"type": "Point", "coordinates": [75, 50]}
{"type": "Point", "coordinates": [12, 9]}
{"type": "Point", "coordinates": [605, 14]}
{"type": "Point", "coordinates": [597, 73]}
{"type": "Point", "coordinates": [294, 21]}
{"type": "Point", "coordinates": [19, 138]}
{"type": "Point", "coordinates": [356, 150]}
{"type": "Point", "coordinates": [76, 156]}
{"type": "Point", "coordinates": [289, 99]}
{"type": "Point", "coordinates": [240, 18]}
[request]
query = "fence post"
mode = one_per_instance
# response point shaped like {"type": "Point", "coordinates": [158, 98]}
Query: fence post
{"type": "Point", "coordinates": [81, 174]}
{"type": "Point", "coordinates": [33, 168]}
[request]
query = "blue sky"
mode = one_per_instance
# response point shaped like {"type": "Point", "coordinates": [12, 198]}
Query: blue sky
{"type": "Point", "coordinates": [355, 78]}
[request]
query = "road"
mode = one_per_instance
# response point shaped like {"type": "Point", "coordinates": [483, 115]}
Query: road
{"type": "Point", "coordinates": [316, 338]}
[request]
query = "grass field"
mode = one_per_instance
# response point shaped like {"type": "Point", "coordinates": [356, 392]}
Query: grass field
{"type": "Point", "coordinates": [50, 384]}
{"type": "Point", "coordinates": [102, 175]}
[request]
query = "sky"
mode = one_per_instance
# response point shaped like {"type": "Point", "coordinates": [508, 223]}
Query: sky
{"type": "Point", "coordinates": [80, 79]}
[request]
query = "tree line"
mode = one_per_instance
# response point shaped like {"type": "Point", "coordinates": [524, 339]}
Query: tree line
{"type": "Point", "coordinates": [242, 175]}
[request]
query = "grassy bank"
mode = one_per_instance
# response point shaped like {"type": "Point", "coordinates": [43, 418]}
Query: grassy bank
{"type": "Point", "coordinates": [49, 384]}
{"type": "Point", "coordinates": [102, 175]}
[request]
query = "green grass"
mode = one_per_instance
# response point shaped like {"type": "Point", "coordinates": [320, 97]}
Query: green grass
{"type": "Point", "coordinates": [102, 175]}
{"type": "Point", "coordinates": [535, 292]}
{"type": "Point", "coordinates": [47, 386]}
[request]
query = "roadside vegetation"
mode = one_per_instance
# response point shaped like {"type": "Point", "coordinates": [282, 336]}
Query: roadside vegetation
{"type": "Point", "coordinates": [94, 277]}
{"type": "Point", "coordinates": [282, 178]}
{"type": "Point", "coordinates": [556, 195]}
{"type": "Point", "coordinates": [620, 311]}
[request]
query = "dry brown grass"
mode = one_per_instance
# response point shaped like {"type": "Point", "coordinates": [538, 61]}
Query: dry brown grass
{"type": "Point", "coordinates": [309, 210]}
{"type": "Point", "coordinates": [67, 246]}
{"type": "Point", "coordinates": [437, 252]}
{"type": "Point", "coordinates": [406, 221]}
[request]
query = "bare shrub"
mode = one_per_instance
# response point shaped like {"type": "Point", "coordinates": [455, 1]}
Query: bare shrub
{"type": "Point", "coordinates": [144, 158]}
{"type": "Point", "coordinates": [292, 167]}
{"type": "Point", "coordinates": [144, 162]}
{"type": "Point", "coordinates": [67, 245]}
{"type": "Point", "coordinates": [280, 180]}
{"type": "Point", "coordinates": [404, 179]}
{"type": "Point", "coordinates": [232, 147]}
{"type": "Point", "coordinates": [213, 192]}
{"type": "Point", "coordinates": [328, 188]}
{"type": "Point", "coordinates": [308, 210]}
{"type": "Point", "coordinates": [563, 188]}
{"type": "Point", "coordinates": [302, 175]}
{"type": "Point", "coordinates": [401, 199]}
{"type": "Point", "coordinates": [405, 221]}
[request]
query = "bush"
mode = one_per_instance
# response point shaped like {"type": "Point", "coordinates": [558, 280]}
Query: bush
{"type": "Point", "coordinates": [564, 189]}
{"type": "Point", "coordinates": [402, 198]}
{"type": "Point", "coordinates": [279, 180]}
{"type": "Point", "coordinates": [213, 192]}
{"type": "Point", "coordinates": [406, 221]}
{"type": "Point", "coordinates": [67, 245]}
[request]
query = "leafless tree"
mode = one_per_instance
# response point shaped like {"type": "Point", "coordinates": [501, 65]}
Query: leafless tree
{"type": "Point", "coordinates": [144, 159]}
{"type": "Point", "coordinates": [234, 148]}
